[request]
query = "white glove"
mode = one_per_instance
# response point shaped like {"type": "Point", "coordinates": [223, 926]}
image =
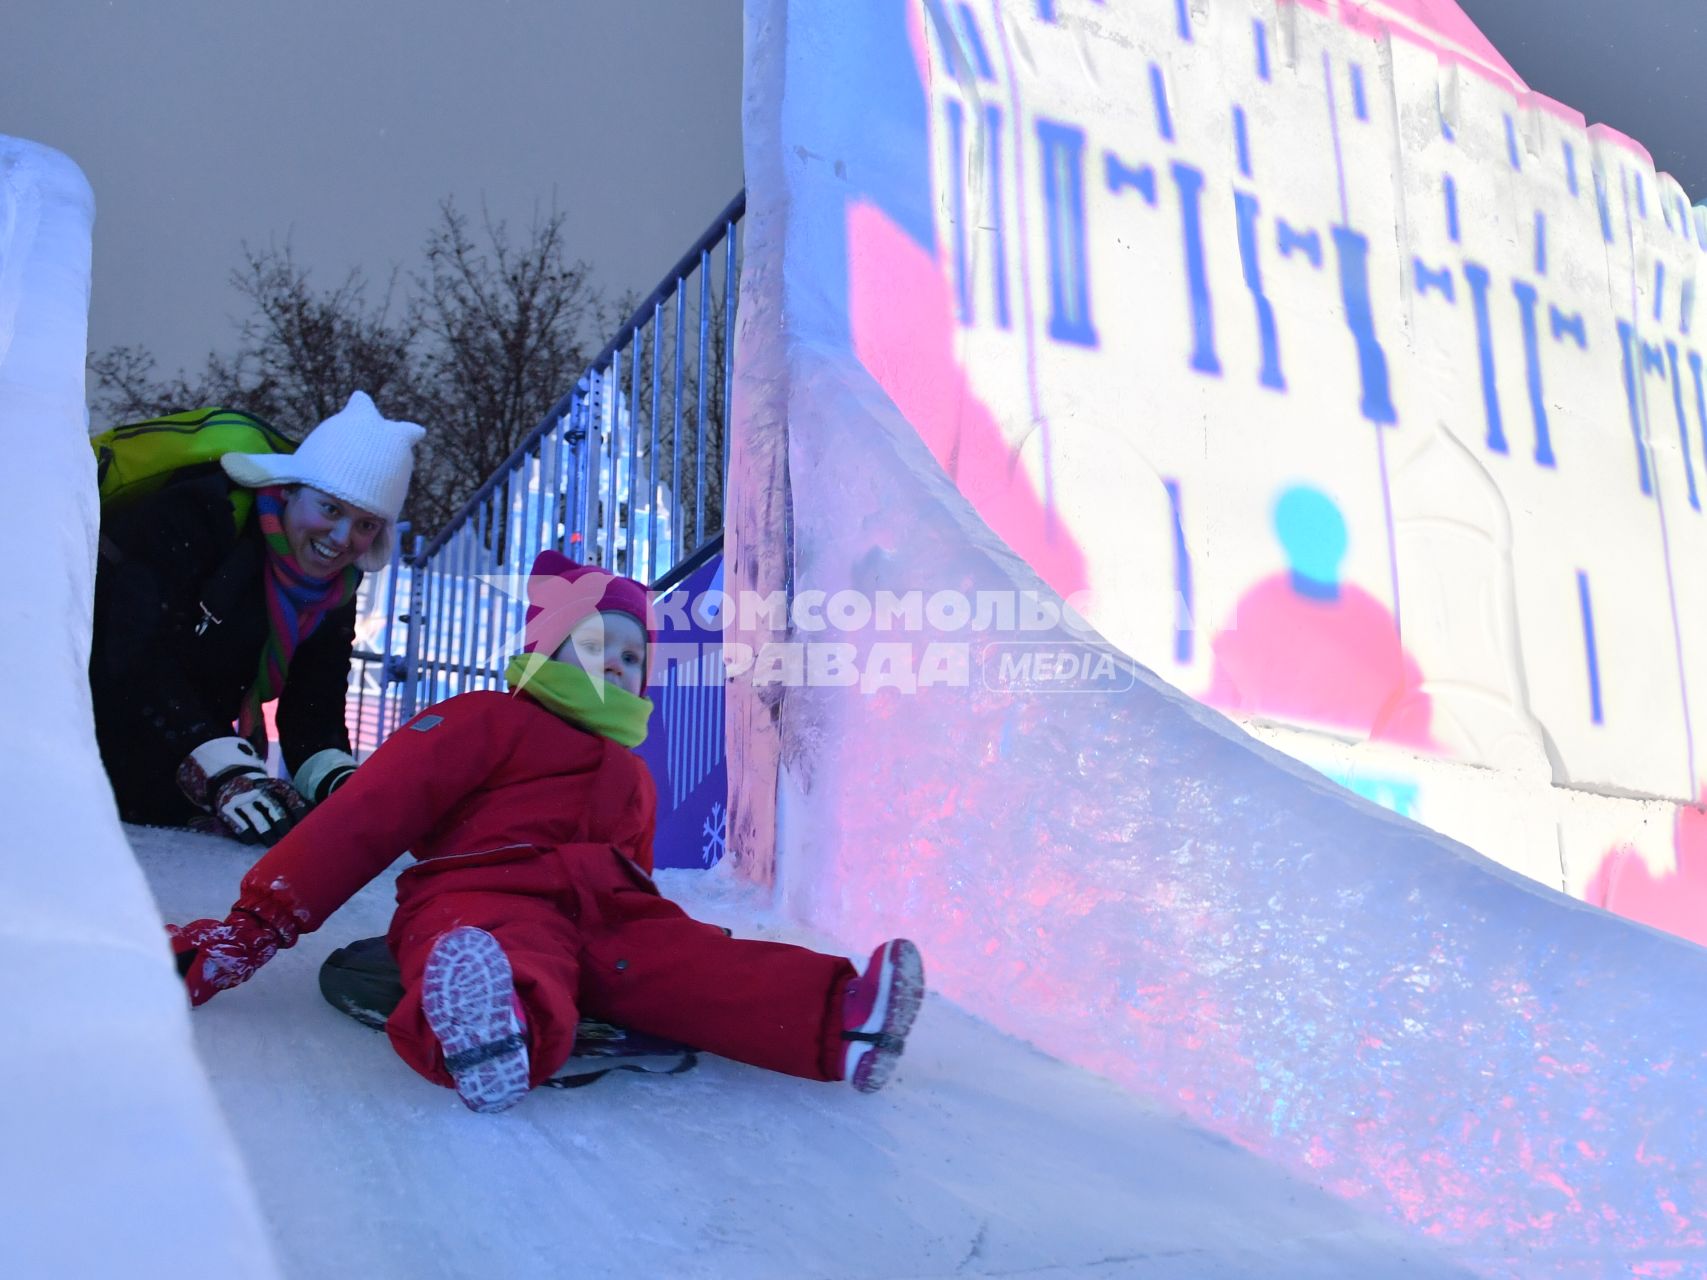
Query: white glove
{"type": "Point", "coordinates": [227, 778]}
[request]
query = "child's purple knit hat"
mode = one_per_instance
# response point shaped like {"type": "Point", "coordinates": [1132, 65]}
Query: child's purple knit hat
{"type": "Point", "coordinates": [562, 591]}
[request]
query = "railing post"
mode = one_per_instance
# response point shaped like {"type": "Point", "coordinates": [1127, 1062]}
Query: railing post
{"type": "Point", "coordinates": [612, 405]}
{"type": "Point", "coordinates": [651, 570]}
{"type": "Point", "coordinates": [699, 403]}
{"type": "Point", "coordinates": [397, 536]}
{"type": "Point", "coordinates": [575, 501]}
{"type": "Point", "coordinates": [417, 624]}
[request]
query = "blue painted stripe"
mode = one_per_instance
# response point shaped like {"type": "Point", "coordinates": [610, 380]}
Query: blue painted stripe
{"type": "Point", "coordinates": [975, 43]}
{"type": "Point", "coordinates": [1571, 325]}
{"type": "Point", "coordinates": [1540, 243]}
{"type": "Point", "coordinates": [1627, 341]}
{"type": "Point", "coordinates": [998, 228]}
{"type": "Point", "coordinates": [1119, 175]}
{"type": "Point", "coordinates": [1063, 149]}
{"type": "Point", "coordinates": [1428, 280]}
{"type": "Point", "coordinates": [1478, 278]}
{"type": "Point", "coordinates": [1700, 399]}
{"type": "Point", "coordinates": [1511, 142]}
{"type": "Point", "coordinates": [952, 53]}
{"type": "Point", "coordinates": [1183, 16]}
{"type": "Point", "coordinates": [1596, 711]}
{"type": "Point", "coordinates": [1189, 181]}
{"type": "Point", "coordinates": [1260, 29]}
{"type": "Point", "coordinates": [1359, 98]}
{"type": "Point", "coordinates": [1571, 168]}
{"type": "Point", "coordinates": [1659, 290]}
{"type": "Point", "coordinates": [1452, 227]}
{"type": "Point", "coordinates": [1268, 332]}
{"type": "Point", "coordinates": [1242, 140]}
{"type": "Point", "coordinates": [1290, 240]}
{"type": "Point", "coordinates": [957, 206]}
{"type": "Point", "coordinates": [1159, 92]}
{"type": "Point", "coordinates": [1604, 205]}
{"type": "Point", "coordinates": [1182, 578]}
{"type": "Point", "coordinates": [1641, 196]}
{"type": "Point", "coordinates": [1352, 251]}
{"type": "Point", "coordinates": [1682, 421]}
{"type": "Point", "coordinates": [1529, 305]}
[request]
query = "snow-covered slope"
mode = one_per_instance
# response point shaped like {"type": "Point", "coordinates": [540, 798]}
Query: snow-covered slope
{"type": "Point", "coordinates": [113, 1156]}
{"type": "Point", "coordinates": [982, 1158]}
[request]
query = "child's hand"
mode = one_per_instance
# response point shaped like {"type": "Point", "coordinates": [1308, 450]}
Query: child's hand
{"type": "Point", "coordinates": [216, 955]}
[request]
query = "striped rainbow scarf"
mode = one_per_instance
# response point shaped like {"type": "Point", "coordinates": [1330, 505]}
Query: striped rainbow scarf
{"type": "Point", "coordinates": [296, 604]}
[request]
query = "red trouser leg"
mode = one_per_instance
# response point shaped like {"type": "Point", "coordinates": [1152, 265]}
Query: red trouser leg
{"type": "Point", "coordinates": [539, 940]}
{"type": "Point", "coordinates": [648, 966]}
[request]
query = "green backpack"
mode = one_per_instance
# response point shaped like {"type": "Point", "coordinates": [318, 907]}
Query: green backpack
{"type": "Point", "coordinates": [139, 457]}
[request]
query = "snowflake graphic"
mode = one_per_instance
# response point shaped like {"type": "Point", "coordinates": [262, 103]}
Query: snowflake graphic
{"type": "Point", "coordinates": [716, 833]}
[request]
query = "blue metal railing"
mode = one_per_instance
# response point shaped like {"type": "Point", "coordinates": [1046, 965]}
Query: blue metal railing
{"type": "Point", "coordinates": [627, 470]}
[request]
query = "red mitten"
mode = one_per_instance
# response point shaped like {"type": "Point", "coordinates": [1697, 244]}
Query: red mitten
{"type": "Point", "coordinates": [216, 955]}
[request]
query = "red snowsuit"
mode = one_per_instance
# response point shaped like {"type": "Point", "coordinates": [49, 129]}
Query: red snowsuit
{"type": "Point", "coordinates": [540, 833]}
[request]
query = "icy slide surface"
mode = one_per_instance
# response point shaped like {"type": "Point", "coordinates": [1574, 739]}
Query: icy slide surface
{"type": "Point", "coordinates": [983, 1157]}
{"type": "Point", "coordinates": [1115, 871]}
{"type": "Point", "coordinates": [114, 1158]}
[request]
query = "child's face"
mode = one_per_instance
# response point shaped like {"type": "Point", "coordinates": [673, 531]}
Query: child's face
{"type": "Point", "coordinates": [611, 643]}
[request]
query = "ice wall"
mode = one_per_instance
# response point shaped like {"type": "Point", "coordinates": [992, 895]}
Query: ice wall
{"type": "Point", "coordinates": [114, 1159]}
{"type": "Point", "coordinates": [1205, 316]}
{"type": "Point", "coordinates": [1347, 385]}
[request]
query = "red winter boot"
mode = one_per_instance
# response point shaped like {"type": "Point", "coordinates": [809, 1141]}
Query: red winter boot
{"type": "Point", "coordinates": [469, 998]}
{"type": "Point", "coordinates": [878, 1008]}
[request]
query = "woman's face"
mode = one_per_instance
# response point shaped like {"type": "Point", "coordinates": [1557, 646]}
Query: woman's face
{"type": "Point", "coordinates": [327, 535]}
{"type": "Point", "coordinates": [612, 644]}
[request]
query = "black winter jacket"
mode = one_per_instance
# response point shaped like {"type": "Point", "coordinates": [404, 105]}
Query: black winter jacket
{"type": "Point", "coordinates": [168, 561]}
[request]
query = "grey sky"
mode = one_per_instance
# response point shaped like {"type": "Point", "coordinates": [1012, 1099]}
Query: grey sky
{"type": "Point", "coordinates": [343, 123]}
{"type": "Point", "coordinates": [1637, 65]}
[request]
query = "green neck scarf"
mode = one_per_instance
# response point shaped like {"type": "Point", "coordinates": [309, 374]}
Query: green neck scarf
{"type": "Point", "coordinates": [566, 690]}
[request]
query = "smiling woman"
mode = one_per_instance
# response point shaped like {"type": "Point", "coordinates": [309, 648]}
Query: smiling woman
{"type": "Point", "coordinates": [201, 620]}
{"type": "Point", "coordinates": [325, 535]}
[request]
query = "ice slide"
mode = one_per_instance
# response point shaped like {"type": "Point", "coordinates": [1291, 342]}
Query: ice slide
{"type": "Point", "coordinates": [1332, 375]}
{"type": "Point", "coordinates": [1227, 934]}
{"type": "Point", "coordinates": [316, 1153]}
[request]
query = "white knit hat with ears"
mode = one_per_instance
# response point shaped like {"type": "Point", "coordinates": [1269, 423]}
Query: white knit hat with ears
{"type": "Point", "coordinates": [356, 455]}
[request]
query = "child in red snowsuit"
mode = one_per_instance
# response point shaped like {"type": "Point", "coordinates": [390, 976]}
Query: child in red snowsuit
{"type": "Point", "coordinates": [531, 902]}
